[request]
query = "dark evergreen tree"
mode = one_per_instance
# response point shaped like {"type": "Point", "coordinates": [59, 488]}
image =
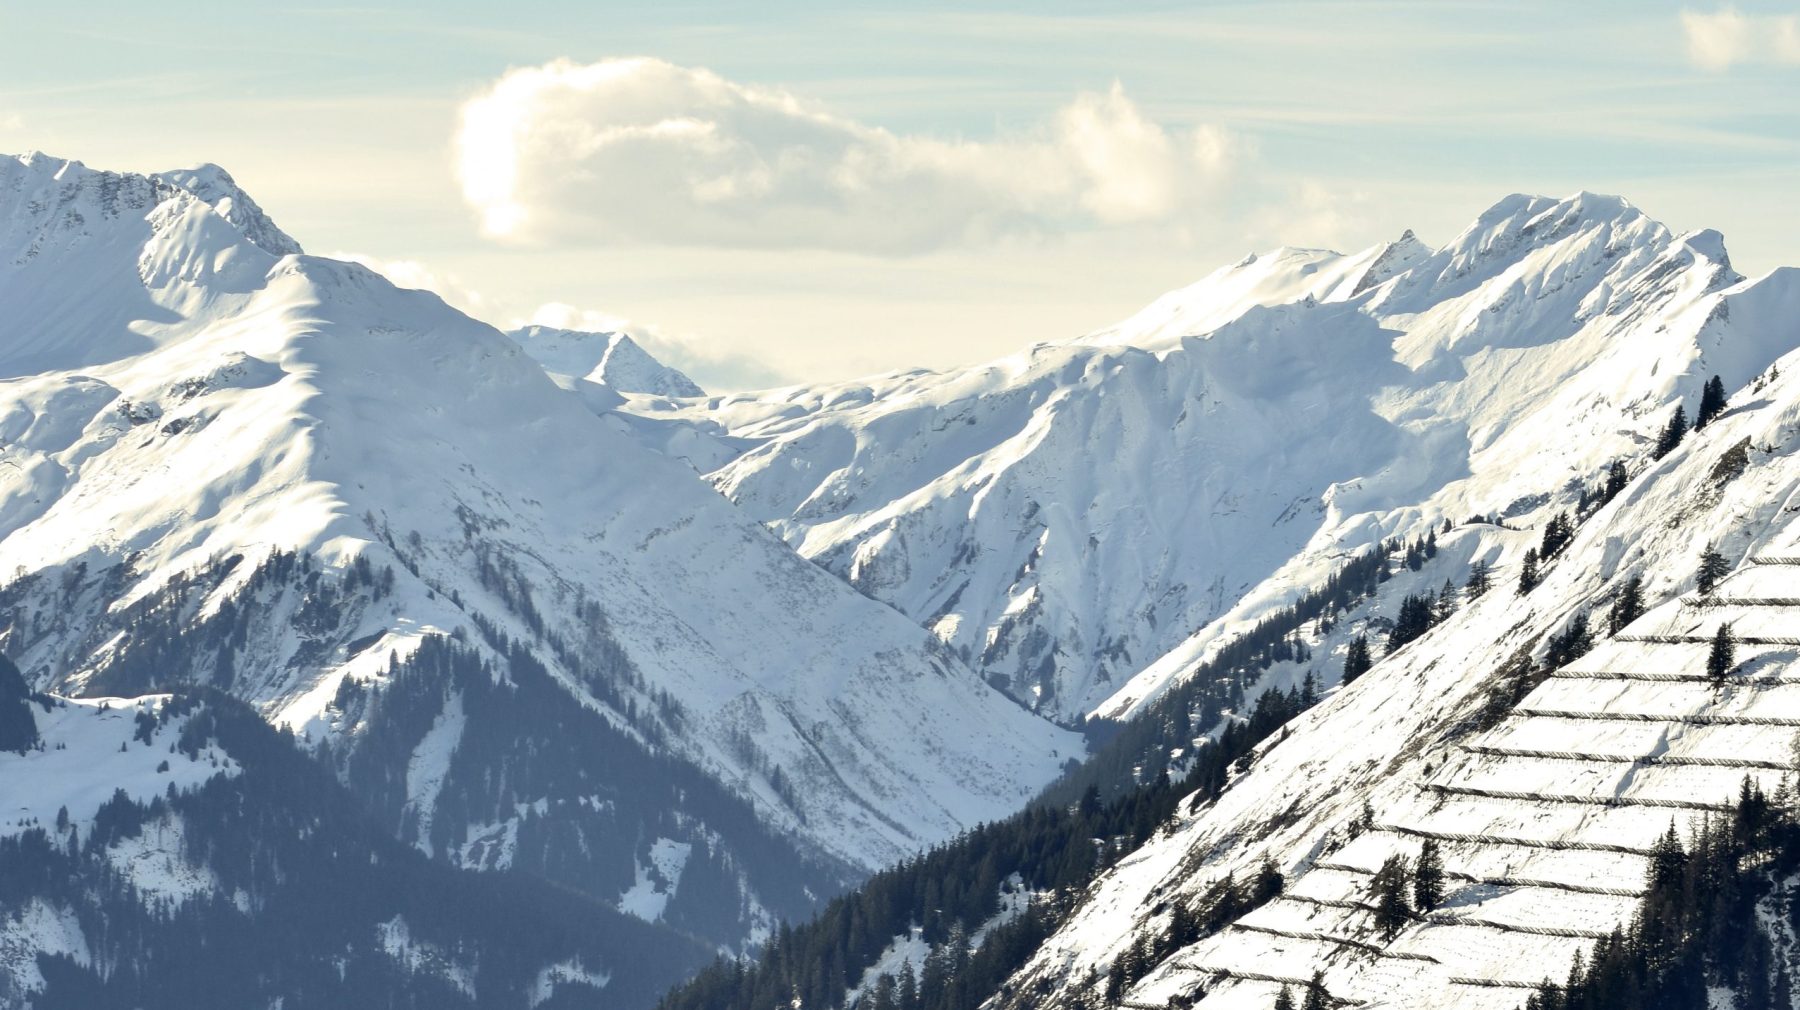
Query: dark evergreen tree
{"type": "Point", "coordinates": [1720, 658]}
{"type": "Point", "coordinates": [1628, 606]}
{"type": "Point", "coordinates": [1616, 479]}
{"type": "Point", "coordinates": [1712, 402]}
{"type": "Point", "coordinates": [1417, 614]}
{"type": "Point", "coordinates": [1284, 1000]}
{"type": "Point", "coordinates": [1528, 571]}
{"type": "Point", "coordinates": [1557, 534]}
{"type": "Point", "coordinates": [1390, 890]}
{"type": "Point", "coordinates": [18, 727]}
{"type": "Point", "coordinates": [1480, 577]}
{"type": "Point", "coordinates": [1446, 602]}
{"type": "Point", "coordinates": [1712, 568]}
{"type": "Point", "coordinates": [1316, 996]}
{"type": "Point", "coordinates": [1672, 433]}
{"type": "Point", "coordinates": [1697, 926]}
{"type": "Point", "coordinates": [1569, 644]}
{"type": "Point", "coordinates": [1357, 660]}
{"type": "Point", "coordinates": [1428, 877]}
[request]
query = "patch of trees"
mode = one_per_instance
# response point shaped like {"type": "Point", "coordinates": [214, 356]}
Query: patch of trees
{"type": "Point", "coordinates": [1054, 850]}
{"type": "Point", "coordinates": [1357, 660]}
{"type": "Point", "coordinates": [1672, 433]}
{"type": "Point", "coordinates": [1573, 641]}
{"type": "Point", "coordinates": [18, 727]}
{"type": "Point", "coordinates": [1628, 606]}
{"type": "Point", "coordinates": [1133, 752]}
{"type": "Point", "coordinates": [584, 796]}
{"type": "Point", "coordinates": [1697, 926]}
{"type": "Point", "coordinates": [306, 883]}
{"type": "Point", "coordinates": [1402, 890]}
{"type": "Point", "coordinates": [1712, 403]}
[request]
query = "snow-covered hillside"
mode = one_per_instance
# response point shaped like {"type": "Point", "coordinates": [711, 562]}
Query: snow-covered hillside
{"type": "Point", "coordinates": [167, 849]}
{"type": "Point", "coordinates": [1085, 520]}
{"type": "Point", "coordinates": [1546, 794]}
{"type": "Point", "coordinates": [228, 464]}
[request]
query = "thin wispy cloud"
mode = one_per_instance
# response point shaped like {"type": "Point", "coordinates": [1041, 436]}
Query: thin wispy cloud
{"type": "Point", "coordinates": [1721, 39]}
{"type": "Point", "coordinates": [645, 151]}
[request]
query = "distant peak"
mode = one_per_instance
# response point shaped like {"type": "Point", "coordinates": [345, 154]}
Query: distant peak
{"type": "Point", "coordinates": [1395, 258]}
{"type": "Point", "coordinates": [609, 357]}
{"type": "Point", "coordinates": [220, 191]}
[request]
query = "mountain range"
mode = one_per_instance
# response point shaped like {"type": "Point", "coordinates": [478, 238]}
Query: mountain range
{"type": "Point", "coordinates": [529, 614]}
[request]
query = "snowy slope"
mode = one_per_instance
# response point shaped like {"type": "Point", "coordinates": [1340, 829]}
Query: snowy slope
{"type": "Point", "coordinates": [1546, 808]}
{"type": "Point", "coordinates": [91, 749]}
{"type": "Point", "coordinates": [177, 396]}
{"type": "Point", "coordinates": [1084, 520]}
{"type": "Point", "coordinates": [132, 811]}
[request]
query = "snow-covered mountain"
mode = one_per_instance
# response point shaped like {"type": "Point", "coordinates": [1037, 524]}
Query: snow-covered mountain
{"type": "Point", "coordinates": [1546, 785]}
{"type": "Point", "coordinates": [164, 852]}
{"type": "Point", "coordinates": [382, 524]}
{"type": "Point", "coordinates": [1543, 734]}
{"type": "Point", "coordinates": [536, 603]}
{"type": "Point", "coordinates": [1085, 520]}
{"type": "Point", "coordinates": [611, 359]}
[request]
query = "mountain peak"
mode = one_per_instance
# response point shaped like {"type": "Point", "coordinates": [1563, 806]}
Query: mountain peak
{"type": "Point", "coordinates": [610, 357]}
{"type": "Point", "coordinates": [217, 188]}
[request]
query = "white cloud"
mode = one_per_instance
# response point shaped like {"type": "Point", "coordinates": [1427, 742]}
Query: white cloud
{"type": "Point", "coordinates": [715, 368]}
{"type": "Point", "coordinates": [1727, 37]}
{"type": "Point", "coordinates": [645, 151]}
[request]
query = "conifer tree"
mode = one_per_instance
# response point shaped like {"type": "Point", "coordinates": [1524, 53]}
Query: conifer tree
{"type": "Point", "coordinates": [1712, 569]}
{"type": "Point", "coordinates": [1316, 996]}
{"type": "Point", "coordinates": [1616, 479]}
{"type": "Point", "coordinates": [1557, 534]}
{"type": "Point", "coordinates": [1428, 877]}
{"type": "Point", "coordinates": [1528, 571]}
{"type": "Point", "coordinates": [1284, 1000]}
{"type": "Point", "coordinates": [1627, 607]}
{"type": "Point", "coordinates": [1417, 614]}
{"type": "Point", "coordinates": [1571, 643]}
{"type": "Point", "coordinates": [1719, 659]}
{"type": "Point", "coordinates": [1357, 661]}
{"type": "Point", "coordinates": [1446, 602]}
{"type": "Point", "coordinates": [1480, 576]}
{"type": "Point", "coordinates": [1390, 886]}
{"type": "Point", "coordinates": [1712, 402]}
{"type": "Point", "coordinates": [908, 994]}
{"type": "Point", "coordinates": [1672, 433]}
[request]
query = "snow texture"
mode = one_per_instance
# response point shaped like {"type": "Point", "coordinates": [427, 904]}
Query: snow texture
{"type": "Point", "coordinates": [176, 393]}
{"type": "Point", "coordinates": [1084, 521]}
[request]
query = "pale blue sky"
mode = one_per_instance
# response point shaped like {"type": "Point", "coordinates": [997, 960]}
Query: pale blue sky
{"type": "Point", "coordinates": [1327, 123]}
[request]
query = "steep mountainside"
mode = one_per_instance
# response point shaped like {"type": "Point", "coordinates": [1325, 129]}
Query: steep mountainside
{"type": "Point", "coordinates": [178, 852]}
{"type": "Point", "coordinates": [1086, 520]}
{"type": "Point", "coordinates": [380, 523]}
{"type": "Point", "coordinates": [1544, 773]}
{"type": "Point", "coordinates": [1554, 735]}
